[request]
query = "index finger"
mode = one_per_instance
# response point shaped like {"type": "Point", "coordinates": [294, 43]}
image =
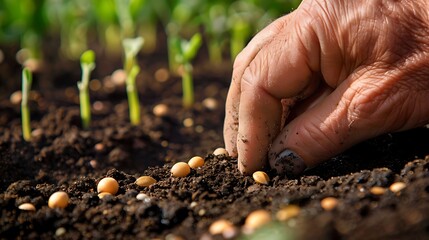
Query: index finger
{"type": "Point", "coordinates": [281, 69]}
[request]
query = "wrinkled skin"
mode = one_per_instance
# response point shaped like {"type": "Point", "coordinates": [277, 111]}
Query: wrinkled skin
{"type": "Point", "coordinates": [325, 77]}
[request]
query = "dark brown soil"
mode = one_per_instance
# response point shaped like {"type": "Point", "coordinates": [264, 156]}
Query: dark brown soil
{"type": "Point", "coordinates": [62, 156]}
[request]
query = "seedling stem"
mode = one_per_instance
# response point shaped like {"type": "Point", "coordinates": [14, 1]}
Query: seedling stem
{"type": "Point", "coordinates": [27, 79]}
{"type": "Point", "coordinates": [87, 64]}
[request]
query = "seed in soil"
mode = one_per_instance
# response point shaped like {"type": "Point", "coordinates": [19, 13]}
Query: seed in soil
{"type": "Point", "coordinates": [99, 147]}
{"type": "Point", "coordinates": [143, 197]}
{"type": "Point", "coordinates": [220, 151]}
{"type": "Point", "coordinates": [261, 177]}
{"type": "Point", "coordinates": [58, 200]}
{"type": "Point", "coordinates": [287, 212]}
{"type": "Point", "coordinates": [188, 122]}
{"type": "Point", "coordinates": [109, 185]}
{"type": "Point", "coordinates": [397, 186]}
{"type": "Point", "coordinates": [162, 75]}
{"type": "Point", "coordinates": [257, 219]}
{"type": "Point", "coordinates": [329, 203]}
{"type": "Point", "coordinates": [210, 103]}
{"type": "Point", "coordinates": [15, 97]}
{"type": "Point", "coordinates": [220, 226]}
{"type": "Point", "coordinates": [103, 194]}
{"type": "Point", "coordinates": [160, 110]}
{"type": "Point", "coordinates": [180, 169]}
{"type": "Point", "coordinates": [145, 181]}
{"type": "Point", "coordinates": [27, 207]}
{"type": "Point", "coordinates": [377, 190]}
{"type": "Point", "coordinates": [196, 162]}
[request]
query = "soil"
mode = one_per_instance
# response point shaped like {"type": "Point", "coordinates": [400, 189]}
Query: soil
{"type": "Point", "coordinates": [63, 156]}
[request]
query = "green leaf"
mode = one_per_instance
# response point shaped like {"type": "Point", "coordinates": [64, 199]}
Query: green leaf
{"type": "Point", "coordinates": [191, 48]}
{"type": "Point", "coordinates": [88, 57]}
{"type": "Point", "coordinates": [132, 46]}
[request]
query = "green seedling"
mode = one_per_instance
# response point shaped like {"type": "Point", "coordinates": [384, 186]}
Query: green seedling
{"type": "Point", "coordinates": [131, 47]}
{"type": "Point", "coordinates": [186, 52]}
{"type": "Point", "coordinates": [27, 79]}
{"type": "Point", "coordinates": [87, 63]}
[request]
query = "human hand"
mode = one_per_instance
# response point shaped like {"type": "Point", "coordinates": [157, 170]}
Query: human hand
{"type": "Point", "coordinates": [325, 77]}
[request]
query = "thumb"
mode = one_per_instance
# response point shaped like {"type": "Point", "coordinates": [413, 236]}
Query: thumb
{"type": "Point", "coordinates": [355, 111]}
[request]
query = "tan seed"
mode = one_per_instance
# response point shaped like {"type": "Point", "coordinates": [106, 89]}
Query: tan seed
{"type": "Point", "coordinates": [261, 177]}
{"type": "Point", "coordinates": [220, 226]}
{"type": "Point", "coordinates": [196, 162]}
{"type": "Point", "coordinates": [188, 122]}
{"type": "Point", "coordinates": [257, 219]}
{"type": "Point", "coordinates": [27, 207]}
{"type": "Point", "coordinates": [377, 190]}
{"type": "Point", "coordinates": [162, 75]}
{"type": "Point", "coordinates": [109, 185]}
{"type": "Point", "coordinates": [220, 151]}
{"type": "Point", "coordinates": [160, 110]}
{"type": "Point", "coordinates": [397, 186]}
{"type": "Point", "coordinates": [287, 212]}
{"type": "Point", "coordinates": [180, 169]}
{"type": "Point", "coordinates": [329, 203]}
{"type": "Point", "coordinates": [210, 103]}
{"type": "Point", "coordinates": [99, 147]}
{"type": "Point", "coordinates": [119, 77]}
{"type": "Point", "coordinates": [103, 194]}
{"type": "Point", "coordinates": [58, 200]}
{"type": "Point", "coordinates": [145, 181]}
{"type": "Point", "coordinates": [16, 97]}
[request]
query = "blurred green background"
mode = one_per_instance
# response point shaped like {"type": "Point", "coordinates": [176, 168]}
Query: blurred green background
{"type": "Point", "coordinates": [226, 26]}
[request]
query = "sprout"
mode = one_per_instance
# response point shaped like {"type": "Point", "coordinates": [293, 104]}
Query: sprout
{"type": "Point", "coordinates": [87, 64]}
{"type": "Point", "coordinates": [187, 50]}
{"type": "Point", "coordinates": [131, 47]}
{"type": "Point", "coordinates": [27, 79]}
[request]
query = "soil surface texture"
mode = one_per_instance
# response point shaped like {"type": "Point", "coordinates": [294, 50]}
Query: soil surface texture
{"type": "Point", "coordinates": [64, 157]}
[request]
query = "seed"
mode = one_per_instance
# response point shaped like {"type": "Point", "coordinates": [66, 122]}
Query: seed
{"type": "Point", "coordinates": [119, 77]}
{"type": "Point", "coordinates": [210, 103]}
{"type": "Point", "coordinates": [160, 110]}
{"type": "Point", "coordinates": [109, 185]}
{"type": "Point", "coordinates": [261, 177]}
{"type": "Point", "coordinates": [287, 212]}
{"type": "Point", "coordinates": [220, 226]}
{"type": "Point", "coordinates": [145, 181]}
{"type": "Point", "coordinates": [162, 75]}
{"type": "Point", "coordinates": [99, 147]}
{"type": "Point", "coordinates": [27, 207]}
{"type": "Point", "coordinates": [180, 169]}
{"type": "Point", "coordinates": [60, 231]}
{"type": "Point", "coordinates": [58, 200]}
{"type": "Point", "coordinates": [377, 190]}
{"type": "Point", "coordinates": [257, 219]}
{"type": "Point", "coordinates": [16, 97]}
{"type": "Point", "coordinates": [220, 151]}
{"type": "Point", "coordinates": [103, 194]}
{"type": "Point", "coordinates": [329, 203]}
{"type": "Point", "coordinates": [188, 122]}
{"type": "Point", "coordinates": [397, 186]}
{"type": "Point", "coordinates": [196, 162]}
{"type": "Point", "coordinates": [143, 197]}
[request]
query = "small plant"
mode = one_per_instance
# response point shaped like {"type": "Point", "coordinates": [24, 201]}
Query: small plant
{"type": "Point", "coordinates": [131, 47]}
{"type": "Point", "coordinates": [186, 52]}
{"type": "Point", "coordinates": [87, 64]}
{"type": "Point", "coordinates": [27, 79]}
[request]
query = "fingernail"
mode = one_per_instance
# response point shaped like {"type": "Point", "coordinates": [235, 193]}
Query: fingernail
{"type": "Point", "coordinates": [289, 163]}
